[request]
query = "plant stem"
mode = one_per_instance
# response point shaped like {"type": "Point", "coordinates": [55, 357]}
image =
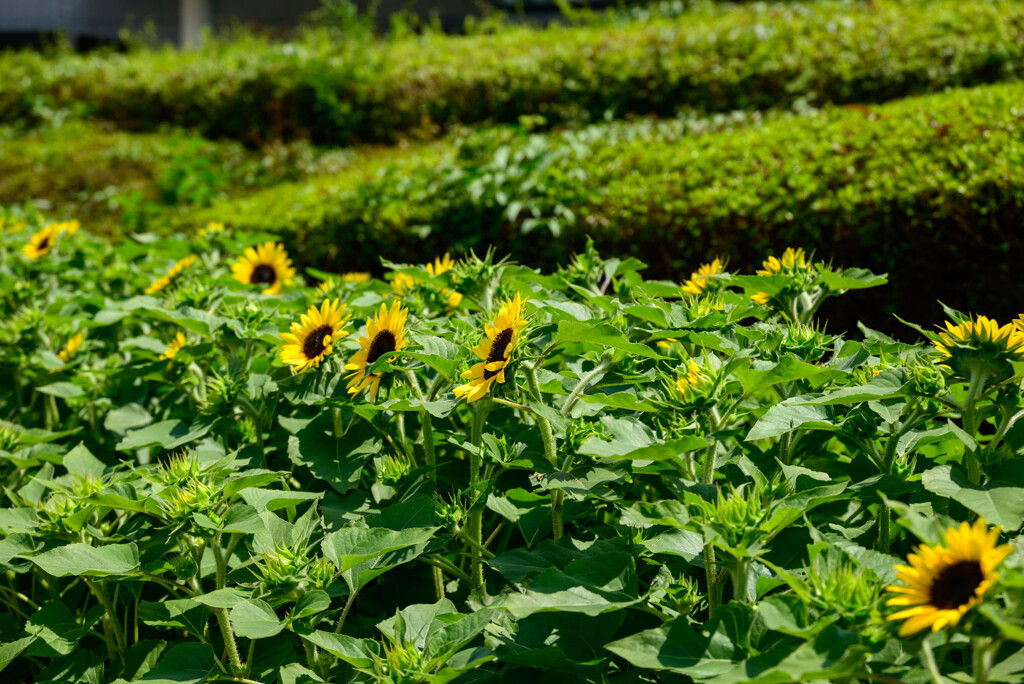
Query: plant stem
{"type": "Point", "coordinates": [229, 641]}
{"type": "Point", "coordinates": [928, 660]}
{"type": "Point", "coordinates": [708, 477]}
{"type": "Point", "coordinates": [344, 611]}
{"type": "Point", "coordinates": [427, 433]}
{"type": "Point", "coordinates": [550, 448]}
{"type": "Point", "coordinates": [739, 581]}
{"type": "Point", "coordinates": [100, 593]}
{"type": "Point", "coordinates": [475, 529]}
{"type": "Point", "coordinates": [584, 384]}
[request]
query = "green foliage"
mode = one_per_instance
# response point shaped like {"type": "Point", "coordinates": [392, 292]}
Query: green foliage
{"type": "Point", "coordinates": [892, 186]}
{"type": "Point", "coordinates": [715, 58]}
{"type": "Point", "coordinates": [201, 513]}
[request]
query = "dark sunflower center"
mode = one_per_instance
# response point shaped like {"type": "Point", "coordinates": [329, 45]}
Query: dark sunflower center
{"type": "Point", "coordinates": [314, 344]}
{"type": "Point", "coordinates": [44, 243]}
{"type": "Point", "coordinates": [956, 585]}
{"type": "Point", "coordinates": [383, 343]}
{"type": "Point", "coordinates": [264, 273]}
{"type": "Point", "coordinates": [497, 352]}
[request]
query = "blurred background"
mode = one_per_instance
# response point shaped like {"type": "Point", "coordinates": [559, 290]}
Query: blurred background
{"type": "Point", "coordinates": [886, 134]}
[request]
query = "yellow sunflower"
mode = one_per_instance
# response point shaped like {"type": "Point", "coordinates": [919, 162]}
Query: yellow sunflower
{"type": "Point", "coordinates": [268, 264]}
{"type": "Point", "coordinates": [792, 261]}
{"type": "Point", "coordinates": [699, 281]}
{"type": "Point", "coordinates": [982, 339]}
{"type": "Point", "coordinates": [176, 270]}
{"type": "Point", "coordinates": [72, 347]}
{"type": "Point", "coordinates": [41, 242]}
{"type": "Point", "coordinates": [71, 227]}
{"type": "Point", "coordinates": [688, 385]}
{"type": "Point", "coordinates": [356, 277]}
{"type": "Point", "coordinates": [174, 347]}
{"type": "Point", "coordinates": [326, 286]}
{"type": "Point", "coordinates": [441, 265]}
{"type": "Point", "coordinates": [402, 283]}
{"type": "Point", "coordinates": [309, 341]}
{"type": "Point", "coordinates": [494, 351]}
{"type": "Point", "coordinates": [212, 228]}
{"type": "Point", "coordinates": [943, 582]}
{"type": "Point", "coordinates": [385, 332]}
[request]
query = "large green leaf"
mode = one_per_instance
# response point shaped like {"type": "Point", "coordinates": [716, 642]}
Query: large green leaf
{"type": "Point", "coordinates": [593, 585]}
{"type": "Point", "coordinates": [353, 546]}
{"type": "Point", "coordinates": [355, 652]}
{"type": "Point", "coordinates": [169, 434]}
{"type": "Point", "coordinates": [185, 613]}
{"type": "Point", "coordinates": [792, 414]}
{"type": "Point", "coordinates": [601, 334]}
{"type": "Point", "coordinates": [763, 374]}
{"type": "Point", "coordinates": [338, 462]}
{"type": "Point", "coordinates": [90, 561]}
{"type": "Point", "coordinates": [255, 619]}
{"type": "Point", "coordinates": [677, 647]}
{"type": "Point", "coordinates": [1000, 503]}
{"type": "Point", "coordinates": [187, 663]}
{"type": "Point", "coordinates": [58, 628]}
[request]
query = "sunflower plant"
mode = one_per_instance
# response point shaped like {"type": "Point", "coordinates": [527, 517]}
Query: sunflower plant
{"type": "Point", "coordinates": [221, 466]}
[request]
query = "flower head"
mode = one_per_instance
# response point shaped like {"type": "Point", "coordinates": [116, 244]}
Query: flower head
{"type": "Point", "coordinates": [793, 262]}
{"type": "Point", "coordinates": [72, 347]}
{"type": "Point", "coordinates": [941, 583]}
{"type": "Point", "coordinates": [174, 347]}
{"type": "Point", "coordinates": [268, 264]}
{"type": "Point", "coordinates": [41, 242]}
{"type": "Point", "coordinates": [355, 277]}
{"type": "Point", "coordinates": [689, 385]}
{"type": "Point", "coordinates": [980, 341]}
{"type": "Point", "coordinates": [176, 270]}
{"type": "Point", "coordinates": [212, 228]}
{"type": "Point", "coordinates": [310, 339]}
{"type": "Point", "coordinates": [385, 333]}
{"type": "Point", "coordinates": [494, 351]}
{"type": "Point", "coordinates": [699, 281]}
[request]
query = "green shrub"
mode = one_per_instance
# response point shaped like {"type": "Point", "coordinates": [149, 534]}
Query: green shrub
{"type": "Point", "coordinates": [717, 58]}
{"type": "Point", "coordinates": [929, 189]}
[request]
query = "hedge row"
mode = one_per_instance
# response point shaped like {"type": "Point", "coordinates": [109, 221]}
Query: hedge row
{"type": "Point", "coordinates": [714, 59]}
{"type": "Point", "coordinates": [930, 189]}
{"type": "Point", "coordinates": [111, 180]}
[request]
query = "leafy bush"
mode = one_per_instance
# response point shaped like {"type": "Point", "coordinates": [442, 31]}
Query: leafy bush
{"type": "Point", "coordinates": [718, 58]}
{"type": "Point", "coordinates": [640, 482]}
{"type": "Point", "coordinates": [929, 189]}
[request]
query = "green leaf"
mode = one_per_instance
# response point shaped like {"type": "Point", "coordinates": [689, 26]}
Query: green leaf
{"type": "Point", "coordinates": [185, 613]}
{"type": "Point", "coordinates": [593, 585]}
{"type": "Point", "coordinates": [90, 561]}
{"type": "Point", "coordinates": [275, 499]}
{"type": "Point", "coordinates": [81, 463]}
{"type": "Point", "coordinates": [355, 652]}
{"type": "Point", "coordinates": [601, 334]}
{"type": "Point", "coordinates": [353, 546]}
{"type": "Point", "coordinates": [338, 462]}
{"type": "Point", "coordinates": [788, 369]}
{"type": "Point", "coordinates": [420, 621]}
{"type": "Point", "coordinates": [790, 415]}
{"type": "Point", "coordinates": [1000, 503]}
{"type": "Point", "coordinates": [851, 279]}
{"type": "Point", "coordinates": [675, 646]}
{"type": "Point", "coordinates": [885, 385]}
{"type": "Point", "coordinates": [12, 649]}
{"type": "Point", "coordinates": [223, 598]}
{"type": "Point", "coordinates": [832, 655]}
{"type": "Point", "coordinates": [311, 603]}
{"type": "Point", "coordinates": [58, 628]}
{"type": "Point", "coordinates": [595, 446]}
{"type": "Point", "coordinates": [64, 390]}
{"type": "Point", "coordinates": [127, 417]}
{"type": "Point", "coordinates": [187, 663]}
{"type": "Point", "coordinates": [255, 619]}
{"type": "Point", "coordinates": [169, 434]}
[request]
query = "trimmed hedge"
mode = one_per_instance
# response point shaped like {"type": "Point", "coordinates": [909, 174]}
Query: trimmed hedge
{"type": "Point", "coordinates": [930, 189]}
{"type": "Point", "coordinates": [712, 60]}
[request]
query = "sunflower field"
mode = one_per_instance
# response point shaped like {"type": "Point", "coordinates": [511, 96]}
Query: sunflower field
{"type": "Point", "coordinates": [218, 466]}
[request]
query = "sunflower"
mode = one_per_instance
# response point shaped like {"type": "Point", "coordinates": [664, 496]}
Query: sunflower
{"type": "Point", "coordinates": [793, 261]}
{"type": "Point", "coordinates": [41, 242]}
{"type": "Point", "coordinates": [71, 227]}
{"type": "Point", "coordinates": [176, 270]}
{"type": "Point", "coordinates": [385, 332]}
{"type": "Point", "coordinates": [309, 341]}
{"type": "Point", "coordinates": [402, 283]}
{"type": "Point", "coordinates": [174, 347]}
{"type": "Point", "coordinates": [688, 385]}
{"type": "Point", "coordinates": [699, 282]}
{"type": "Point", "coordinates": [494, 351]}
{"type": "Point", "coordinates": [981, 340]}
{"type": "Point", "coordinates": [443, 265]}
{"type": "Point", "coordinates": [943, 582]}
{"type": "Point", "coordinates": [326, 286]}
{"type": "Point", "coordinates": [356, 277]}
{"type": "Point", "coordinates": [267, 264]}
{"type": "Point", "coordinates": [72, 347]}
{"type": "Point", "coordinates": [212, 228]}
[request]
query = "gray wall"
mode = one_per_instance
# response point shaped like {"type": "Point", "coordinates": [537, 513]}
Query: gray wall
{"type": "Point", "coordinates": [93, 18]}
